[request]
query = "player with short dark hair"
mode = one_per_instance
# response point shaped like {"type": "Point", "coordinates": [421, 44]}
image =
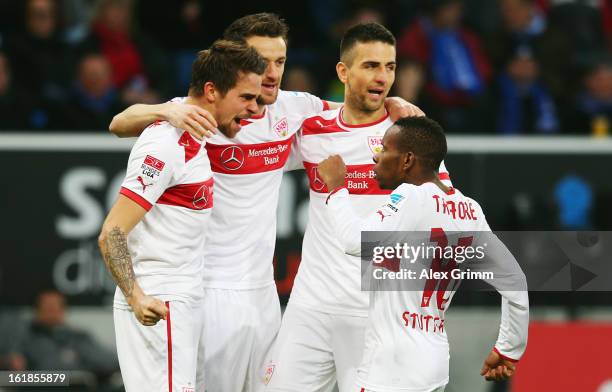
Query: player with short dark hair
{"type": "Point", "coordinates": [223, 64]}
{"type": "Point", "coordinates": [421, 136]}
{"type": "Point", "coordinates": [152, 239]}
{"type": "Point", "coordinates": [406, 347]}
{"type": "Point", "coordinates": [263, 24]}
{"type": "Point", "coordinates": [363, 33]}
{"type": "Point", "coordinates": [321, 336]}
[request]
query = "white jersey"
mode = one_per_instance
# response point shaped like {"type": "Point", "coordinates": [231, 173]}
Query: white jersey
{"type": "Point", "coordinates": [169, 175]}
{"type": "Point", "coordinates": [328, 280]}
{"type": "Point", "coordinates": [406, 347]}
{"type": "Point", "coordinates": [248, 170]}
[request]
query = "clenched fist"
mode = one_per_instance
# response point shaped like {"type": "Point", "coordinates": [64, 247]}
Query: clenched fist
{"type": "Point", "coordinates": [148, 310]}
{"type": "Point", "coordinates": [496, 368]}
{"type": "Point", "coordinates": [332, 171]}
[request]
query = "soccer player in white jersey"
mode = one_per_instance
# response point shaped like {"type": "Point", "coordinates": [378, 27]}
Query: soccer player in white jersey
{"type": "Point", "coordinates": [321, 336]}
{"type": "Point", "coordinates": [406, 347]}
{"type": "Point", "coordinates": [152, 239]}
{"type": "Point", "coordinates": [242, 305]}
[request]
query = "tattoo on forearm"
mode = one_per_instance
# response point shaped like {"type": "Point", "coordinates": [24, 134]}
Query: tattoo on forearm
{"type": "Point", "coordinates": [118, 261]}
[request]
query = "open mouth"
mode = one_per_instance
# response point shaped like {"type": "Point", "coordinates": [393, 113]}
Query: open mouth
{"type": "Point", "coordinates": [268, 87]}
{"type": "Point", "coordinates": [376, 92]}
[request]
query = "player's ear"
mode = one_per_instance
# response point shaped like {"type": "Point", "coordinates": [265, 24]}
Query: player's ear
{"type": "Point", "coordinates": [210, 92]}
{"type": "Point", "coordinates": [342, 71]}
{"type": "Point", "coordinates": [408, 161]}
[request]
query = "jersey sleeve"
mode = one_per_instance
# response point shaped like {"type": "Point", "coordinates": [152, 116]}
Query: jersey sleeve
{"type": "Point", "coordinates": [307, 104]}
{"type": "Point", "coordinates": [348, 226]}
{"type": "Point", "coordinates": [509, 280]}
{"type": "Point", "coordinates": [151, 167]}
{"type": "Point", "coordinates": [443, 175]}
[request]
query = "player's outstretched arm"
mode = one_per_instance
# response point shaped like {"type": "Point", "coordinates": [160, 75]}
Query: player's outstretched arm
{"type": "Point", "coordinates": [112, 241]}
{"type": "Point", "coordinates": [347, 225]}
{"type": "Point", "coordinates": [193, 119]}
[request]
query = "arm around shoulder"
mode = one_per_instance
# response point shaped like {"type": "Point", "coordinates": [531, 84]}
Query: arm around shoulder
{"type": "Point", "coordinates": [133, 120]}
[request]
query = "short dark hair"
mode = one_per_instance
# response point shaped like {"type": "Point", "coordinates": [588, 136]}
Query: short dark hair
{"type": "Point", "coordinates": [424, 137]}
{"type": "Point", "coordinates": [264, 24]}
{"type": "Point", "coordinates": [363, 33]}
{"type": "Point", "coordinates": [221, 64]}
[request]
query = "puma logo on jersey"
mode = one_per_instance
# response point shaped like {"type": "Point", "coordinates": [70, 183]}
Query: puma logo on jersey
{"type": "Point", "coordinates": [144, 186]}
{"type": "Point", "coordinates": [320, 124]}
{"type": "Point", "coordinates": [382, 215]}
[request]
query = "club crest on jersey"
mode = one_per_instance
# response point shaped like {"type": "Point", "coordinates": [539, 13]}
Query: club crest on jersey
{"type": "Point", "coordinates": [282, 127]}
{"type": "Point", "coordinates": [151, 168]}
{"type": "Point", "coordinates": [375, 144]}
{"type": "Point", "coordinates": [269, 373]}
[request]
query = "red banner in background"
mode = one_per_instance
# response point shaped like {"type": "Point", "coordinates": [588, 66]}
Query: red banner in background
{"type": "Point", "coordinates": [572, 357]}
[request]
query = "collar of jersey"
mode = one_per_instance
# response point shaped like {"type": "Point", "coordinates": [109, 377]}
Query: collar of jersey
{"type": "Point", "coordinates": [451, 190]}
{"type": "Point", "coordinates": [259, 116]}
{"type": "Point", "coordinates": [353, 126]}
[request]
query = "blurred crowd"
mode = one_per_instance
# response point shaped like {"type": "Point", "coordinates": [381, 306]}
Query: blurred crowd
{"type": "Point", "coordinates": [45, 341]}
{"type": "Point", "coordinates": [477, 66]}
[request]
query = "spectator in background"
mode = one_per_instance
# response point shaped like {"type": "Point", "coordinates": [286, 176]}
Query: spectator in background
{"type": "Point", "coordinates": [76, 16]}
{"type": "Point", "coordinates": [138, 67]}
{"type": "Point", "coordinates": [592, 113]}
{"type": "Point", "coordinates": [525, 28]}
{"type": "Point", "coordinates": [41, 62]}
{"type": "Point", "coordinates": [525, 105]}
{"type": "Point", "coordinates": [13, 106]}
{"type": "Point", "coordinates": [458, 70]}
{"type": "Point", "coordinates": [49, 344]}
{"type": "Point", "coordinates": [94, 98]}
{"type": "Point", "coordinates": [11, 333]}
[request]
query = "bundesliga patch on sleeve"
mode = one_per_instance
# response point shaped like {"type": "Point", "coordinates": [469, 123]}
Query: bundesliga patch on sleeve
{"type": "Point", "coordinates": [390, 208]}
{"type": "Point", "coordinates": [151, 169]}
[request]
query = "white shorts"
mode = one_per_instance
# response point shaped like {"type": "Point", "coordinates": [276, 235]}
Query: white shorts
{"type": "Point", "coordinates": [314, 350]}
{"type": "Point", "coordinates": [240, 328]}
{"type": "Point", "coordinates": [163, 357]}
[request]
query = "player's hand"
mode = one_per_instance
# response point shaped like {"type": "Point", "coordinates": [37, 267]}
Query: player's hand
{"type": "Point", "coordinates": [193, 119]}
{"type": "Point", "coordinates": [495, 368]}
{"type": "Point", "coordinates": [400, 108]}
{"type": "Point", "coordinates": [148, 310]}
{"type": "Point", "coordinates": [332, 171]}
